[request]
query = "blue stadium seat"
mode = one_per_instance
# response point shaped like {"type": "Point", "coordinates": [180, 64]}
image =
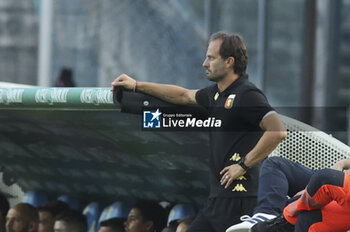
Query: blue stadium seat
{"type": "Point", "coordinates": [73, 203]}
{"type": "Point", "coordinates": [36, 198]}
{"type": "Point", "coordinates": [180, 211]}
{"type": "Point", "coordinates": [116, 210]}
{"type": "Point", "coordinates": [92, 212]}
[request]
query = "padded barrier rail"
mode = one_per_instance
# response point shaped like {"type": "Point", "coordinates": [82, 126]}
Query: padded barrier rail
{"type": "Point", "coordinates": [68, 98]}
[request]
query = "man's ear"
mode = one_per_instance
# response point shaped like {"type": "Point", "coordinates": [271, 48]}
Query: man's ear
{"type": "Point", "coordinates": [149, 225]}
{"type": "Point", "coordinates": [230, 61]}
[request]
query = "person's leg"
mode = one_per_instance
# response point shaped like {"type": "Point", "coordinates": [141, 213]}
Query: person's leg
{"type": "Point", "coordinates": [278, 178]}
{"type": "Point", "coordinates": [306, 219]}
{"type": "Point", "coordinates": [200, 223]}
{"type": "Point", "coordinates": [248, 206]}
{"type": "Point", "coordinates": [220, 213]}
{"type": "Point", "coordinates": [325, 186]}
{"type": "Point", "coordinates": [332, 217]}
{"type": "Point", "coordinates": [227, 211]}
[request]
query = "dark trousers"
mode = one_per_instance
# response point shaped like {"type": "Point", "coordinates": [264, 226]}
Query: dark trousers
{"type": "Point", "coordinates": [221, 213]}
{"type": "Point", "coordinates": [315, 210]}
{"type": "Point", "coordinates": [306, 219]}
{"type": "Point", "coordinates": [279, 178]}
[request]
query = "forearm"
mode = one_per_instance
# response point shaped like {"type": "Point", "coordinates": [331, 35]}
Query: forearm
{"type": "Point", "coordinates": [342, 165]}
{"type": "Point", "coordinates": [267, 143]}
{"type": "Point", "coordinates": [170, 93]}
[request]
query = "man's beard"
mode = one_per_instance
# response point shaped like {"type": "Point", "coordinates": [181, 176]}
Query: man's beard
{"type": "Point", "coordinates": [216, 75]}
{"type": "Point", "coordinates": [216, 78]}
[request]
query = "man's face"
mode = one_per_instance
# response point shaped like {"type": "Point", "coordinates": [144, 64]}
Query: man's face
{"type": "Point", "coordinates": [16, 221]}
{"type": "Point", "coordinates": [213, 63]}
{"type": "Point", "coordinates": [61, 226]}
{"type": "Point", "coordinates": [45, 222]}
{"type": "Point", "coordinates": [135, 222]}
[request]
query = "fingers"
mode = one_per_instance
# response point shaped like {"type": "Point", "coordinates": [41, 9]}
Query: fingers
{"type": "Point", "coordinates": [224, 170]}
{"type": "Point", "coordinates": [115, 83]}
{"type": "Point", "coordinates": [226, 180]}
{"type": "Point", "coordinates": [223, 179]}
{"type": "Point", "coordinates": [229, 182]}
{"type": "Point", "coordinates": [229, 174]}
{"type": "Point", "coordinates": [122, 80]}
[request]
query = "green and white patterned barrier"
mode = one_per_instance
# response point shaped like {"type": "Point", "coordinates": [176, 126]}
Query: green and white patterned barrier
{"type": "Point", "coordinates": [70, 98]}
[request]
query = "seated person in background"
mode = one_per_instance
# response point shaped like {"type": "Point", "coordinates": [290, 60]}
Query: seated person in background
{"type": "Point", "coordinates": [180, 225]}
{"type": "Point", "coordinates": [324, 206]}
{"type": "Point", "coordinates": [70, 221]}
{"type": "Point", "coordinates": [65, 79]}
{"type": "Point", "coordinates": [184, 223]}
{"type": "Point", "coordinates": [4, 208]}
{"type": "Point", "coordinates": [47, 212]}
{"type": "Point", "coordinates": [112, 225]}
{"type": "Point", "coordinates": [22, 217]}
{"type": "Point", "coordinates": [146, 216]}
{"type": "Point", "coordinates": [279, 178]}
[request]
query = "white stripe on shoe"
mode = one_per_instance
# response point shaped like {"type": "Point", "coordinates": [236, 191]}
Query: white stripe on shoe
{"type": "Point", "coordinates": [248, 222]}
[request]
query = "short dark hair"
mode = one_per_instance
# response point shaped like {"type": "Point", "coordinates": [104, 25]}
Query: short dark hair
{"type": "Point", "coordinates": [28, 210]}
{"type": "Point", "coordinates": [117, 224]}
{"type": "Point", "coordinates": [74, 219]}
{"type": "Point", "coordinates": [152, 211]}
{"type": "Point", "coordinates": [53, 207]}
{"type": "Point", "coordinates": [234, 46]}
{"type": "Point", "coordinates": [4, 205]}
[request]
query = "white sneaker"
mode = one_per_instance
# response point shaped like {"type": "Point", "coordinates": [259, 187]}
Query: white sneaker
{"type": "Point", "coordinates": [249, 222]}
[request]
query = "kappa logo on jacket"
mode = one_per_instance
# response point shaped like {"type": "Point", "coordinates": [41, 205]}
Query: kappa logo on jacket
{"type": "Point", "coordinates": [239, 188]}
{"type": "Point", "coordinates": [241, 178]}
{"type": "Point", "coordinates": [235, 157]}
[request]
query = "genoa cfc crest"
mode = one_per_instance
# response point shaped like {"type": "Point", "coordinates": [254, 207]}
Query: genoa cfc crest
{"type": "Point", "coordinates": [229, 101]}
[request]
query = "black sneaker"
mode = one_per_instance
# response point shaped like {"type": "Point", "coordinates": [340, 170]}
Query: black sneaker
{"type": "Point", "coordinates": [278, 224]}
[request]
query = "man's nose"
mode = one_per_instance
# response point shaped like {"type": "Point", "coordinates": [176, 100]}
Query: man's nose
{"type": "Point", "coordinates": [205, 64]}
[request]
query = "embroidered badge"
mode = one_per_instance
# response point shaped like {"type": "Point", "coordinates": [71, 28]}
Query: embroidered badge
{"type": "Point", "coordinates": [241, 178]}
{"type": "Point", "coordinates": [229, 101]}
{"type": "Point", "coordinates": [235, 157]}
{"type": "Point", "coordinates": [216, 96]}
{"type": "Point", "coordinates": [239, 188]}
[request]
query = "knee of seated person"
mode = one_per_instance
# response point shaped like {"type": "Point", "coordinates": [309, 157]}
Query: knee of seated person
{"type": "Point", "coordinates": [320, 178]}
{"type": "Point", "coordinates": [323, 177]}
